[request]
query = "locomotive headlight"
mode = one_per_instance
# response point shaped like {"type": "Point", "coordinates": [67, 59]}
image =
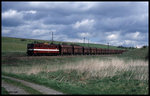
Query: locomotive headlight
{"type": "Point", "coordinates": [30, 49]}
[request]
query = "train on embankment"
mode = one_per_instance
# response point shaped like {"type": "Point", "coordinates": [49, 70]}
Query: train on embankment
{"type": "Point", "coordinates": [39, 49]}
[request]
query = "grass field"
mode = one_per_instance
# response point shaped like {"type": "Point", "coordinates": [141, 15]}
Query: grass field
{"type": "Point", "coordinates": [9, 44]}
{"type": "Point", "coordinates": [85, 76]}
{"type": "Point", "coordinates": [136, 54]}
{"type": "Point", "coordinates": [117, 74]}
{"type": "Point", "coordinates": [3, 91]}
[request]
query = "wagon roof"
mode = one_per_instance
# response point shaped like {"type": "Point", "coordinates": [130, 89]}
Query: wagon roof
{"type": "Point", "coordinates": [86, 47]}
{"type": "Point", "coordinates": [77, 46]}
{"type": "Point", "coordinates": [65, 45]}
{"type": "Point", "coordinates": [93, 48]}
{"type": "Point", "coordinates": [46, 44]}
{"type": "Point", "coordinates": [100, 48]}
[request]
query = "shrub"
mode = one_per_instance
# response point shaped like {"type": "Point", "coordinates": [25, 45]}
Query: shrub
{"type": "Point", "coordinates": [23, 39]}
{"type": "Point", "coordinates": [144, 46]}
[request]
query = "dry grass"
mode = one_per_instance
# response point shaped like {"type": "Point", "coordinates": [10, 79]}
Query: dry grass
{"type": "Point", "coordinates": [94, 67]}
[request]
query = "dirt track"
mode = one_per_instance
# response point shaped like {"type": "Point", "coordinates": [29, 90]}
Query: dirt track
{"type": "Point", "coordinates": [11, 89]}
{"type": "Point", "coordinates": [14, 89]}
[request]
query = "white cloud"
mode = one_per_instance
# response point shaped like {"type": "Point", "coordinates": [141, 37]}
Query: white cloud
{"type": "Point", "coordinates": [43, 32]}
{"type": "Point", "coordinates": [73, 40]}
{"type": "Point", "coordinates": [5, 31]}
{"type": "Point", "coordinates": [74, 6]}
{"type": "Point", "coordinates": [31, 12]}
{"type": "Point", "coordinates": [36, 4]}
{"type": "Point", "coordinates": [11, 14]}
{"type": "Point", "coordinates": [84, 34]}
{"type": "Point", "coordinates": [116, 42]}
{"type": "Point", "coordinates": [40, 32]}
{"type": "Point", "coordinates": [139, 46]}
{"type": "Point", "coordinates": [84, 23]}
{"type": "Point", "coordinates": [112, 36]}
{"type": "Point", "coordinates": [127, 42]}
{"type": "Point", "coordinates": [134, 35]}
{"type": "Point", "coordinates": [83, 6]}
{"type": "Point", "coordinates": [15, 14]}
{"type": "Point", "coordinates": [134, 43]}
{"type": "Point", "coordinates": [131, 43]}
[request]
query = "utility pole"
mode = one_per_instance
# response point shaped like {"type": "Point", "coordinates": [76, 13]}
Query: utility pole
{"type": "Point", "coordinates": [52, 37]}
{"type": "Point", "coordinates": [88, 42]}
{"type": "Point", "coordinates": [84, 41]}
{"type": "Point", "coordinates": [108, 45]}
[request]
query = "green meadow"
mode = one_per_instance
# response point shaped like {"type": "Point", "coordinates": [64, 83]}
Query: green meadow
{"type": "Point", "coordinates": [19, 45]}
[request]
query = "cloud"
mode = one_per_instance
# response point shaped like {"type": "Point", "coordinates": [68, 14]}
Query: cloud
{"type": "Point", "coordinates": [12, 18]}
{"type": "Point", "coordinates": [5, 31]}
{"type": "Point", "coordinates": [84, 24]}
{"type": "Point", "coordinates": [135, 36]}
{"type": "Point", "coordinates": [30, 12]}
{"type": "Point", "coordinates": [40, 32]}
{"type": "Point", "coordinates": [11, 14]}
{"type": "Point", "coordinates": [84, 34]}
{"type": "Point", "coordinates": [119, 23]}
{"type": "Point", "coordinates": [74, 40]}
{"type": "Point", "coordinates": [112, 36]}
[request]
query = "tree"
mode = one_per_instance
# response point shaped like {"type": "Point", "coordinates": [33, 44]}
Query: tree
{"type": "Point", "coordinates": [144, 46]}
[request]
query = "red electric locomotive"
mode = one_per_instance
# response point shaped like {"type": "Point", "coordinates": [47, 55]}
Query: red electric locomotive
{"type": "Point", "coordinates": [43, 49]}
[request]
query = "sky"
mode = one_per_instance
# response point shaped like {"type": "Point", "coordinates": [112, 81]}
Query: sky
{"type": "Point", "coordinates": [116, 23]}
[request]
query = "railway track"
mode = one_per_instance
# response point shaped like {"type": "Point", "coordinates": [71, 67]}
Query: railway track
{"type": "Point", "coordinates": [64, 56]}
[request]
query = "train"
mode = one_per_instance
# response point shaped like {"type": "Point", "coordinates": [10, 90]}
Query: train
{"type": "Point", "coordinates": [39, 49]}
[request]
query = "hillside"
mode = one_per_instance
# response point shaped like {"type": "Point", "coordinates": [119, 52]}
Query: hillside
{"type": "Point", "coordinates": [18, 46]}
{"type": "Point", "coordinates": [10, 44]}
{"type": "Point", "coordinates": [141, 53]}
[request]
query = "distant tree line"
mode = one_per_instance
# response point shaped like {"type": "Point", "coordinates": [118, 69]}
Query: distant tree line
{"type": "Point", "coordinates": [144, 46]}
{"type": "Point", "coordinates": [23, 39]}
{"type": "Point", "coordinates": [126, 47]}
{"type": "Point", "coordinates": [131, 47]}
